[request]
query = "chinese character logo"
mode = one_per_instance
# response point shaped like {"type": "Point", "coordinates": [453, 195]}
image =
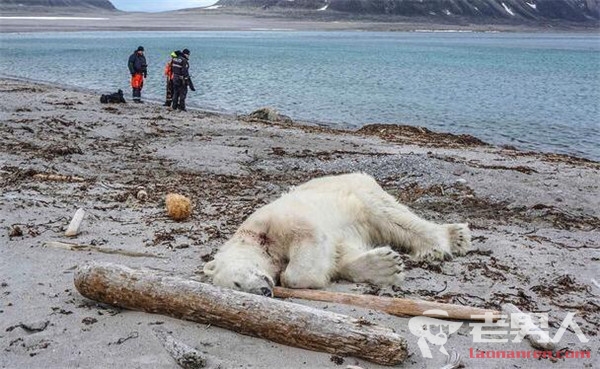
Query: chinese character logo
{"type": "Point", "coordinates": [432, 331]}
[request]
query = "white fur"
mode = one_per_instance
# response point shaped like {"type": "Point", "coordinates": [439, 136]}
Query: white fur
{"type": "Point", "coordinates": [343, 226]}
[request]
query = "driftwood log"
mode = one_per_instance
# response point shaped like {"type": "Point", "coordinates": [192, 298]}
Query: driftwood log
{"type": "Point", "coordinates": [390, 305]}
{"type": "Point", "coordinates": [105, 250]}
{"type": "Point", "coordinates": [278, 321]}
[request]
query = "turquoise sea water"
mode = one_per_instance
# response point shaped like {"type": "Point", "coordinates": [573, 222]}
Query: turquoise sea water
{"type": "Point", "coordinates": [534, 91]}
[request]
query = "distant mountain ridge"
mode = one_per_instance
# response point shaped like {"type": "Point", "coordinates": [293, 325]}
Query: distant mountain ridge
{"type": "Point", "coordinates": [56, 4]}
{"type": "Point", "coordinates": [536, 10]}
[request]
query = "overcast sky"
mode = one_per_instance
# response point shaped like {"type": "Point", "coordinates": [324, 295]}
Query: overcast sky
{"type": "Point", "coordinates": [159, 5]}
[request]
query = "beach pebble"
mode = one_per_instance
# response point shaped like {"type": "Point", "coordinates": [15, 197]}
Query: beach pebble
{"type": "Point", "coordinates": [35, 326]}
{"type": "Point", "coordinates": [461, 181]}
{"type": "Point", "coordinates": [142, 195]}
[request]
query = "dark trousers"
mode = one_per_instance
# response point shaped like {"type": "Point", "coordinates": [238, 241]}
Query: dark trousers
{"type": "Point", "coordinates": [179, 93]}
{"type": "Point", "coordinates": [169, 97]}
{"type": "Point", "coordinates": [137, 94]}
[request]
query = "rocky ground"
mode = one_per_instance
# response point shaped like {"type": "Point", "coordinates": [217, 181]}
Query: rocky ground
{"type": "Point", "coordinates": [534, 217]}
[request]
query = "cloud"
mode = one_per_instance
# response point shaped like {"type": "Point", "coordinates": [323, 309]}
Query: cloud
{"type": "Point", "coordinates": [158, 5]}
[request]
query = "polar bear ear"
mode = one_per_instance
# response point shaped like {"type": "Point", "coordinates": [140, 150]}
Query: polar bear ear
{"type": "Point", "coordinates": [209, 268]}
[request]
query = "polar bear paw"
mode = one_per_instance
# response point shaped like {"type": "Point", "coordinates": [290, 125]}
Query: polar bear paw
{"type": "Point", "coordinates": [460, 238]}
{"type": "Point", "coordinates": [434, 247]}
{"type": "Point", "coordinates": [432, 254]}
{"type": "Point", "coordinates": [447, 240]}
{"type": "Point", "coordinates": [381, 266]}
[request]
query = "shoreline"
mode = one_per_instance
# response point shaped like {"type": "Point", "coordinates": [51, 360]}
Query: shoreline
{"type": "Point", "coordinates": [534, 220]}
{"type": "Point", "coordinates": [411, 130]}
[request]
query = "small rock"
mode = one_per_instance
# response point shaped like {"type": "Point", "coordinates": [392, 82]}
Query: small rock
{"type": "Point", "coordinates": [142, 195]}
{"type": "Point", "coordinates": [461, 181]}
{"type": "Point", "coordinates": [35, 326]}
{"type": "Point", "coordinates": [270, 115]}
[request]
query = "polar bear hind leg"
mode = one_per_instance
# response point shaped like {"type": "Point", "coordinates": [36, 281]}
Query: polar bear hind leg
{"type": "Point", "coordinates": [396, 225]}
{"type": "Point", "coordinates": [430, 241]}
{"type": "Point", "coordinates": [391, 223]}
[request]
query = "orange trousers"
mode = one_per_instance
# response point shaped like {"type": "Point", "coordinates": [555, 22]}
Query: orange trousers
{"type": "Point", "coordinates": [137, 81]}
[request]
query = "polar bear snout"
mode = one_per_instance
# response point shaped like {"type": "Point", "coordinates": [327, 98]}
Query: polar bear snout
{"type": "Point", "coordinates": [265, 291]}
{"type": "Point", "coordinates": [255, 283]}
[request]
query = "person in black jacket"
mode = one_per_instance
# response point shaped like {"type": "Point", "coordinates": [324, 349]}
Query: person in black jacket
{"type": "Point", "coordinates": [181, 79]}
{"type": "Point", "coordinates": [138, 69]}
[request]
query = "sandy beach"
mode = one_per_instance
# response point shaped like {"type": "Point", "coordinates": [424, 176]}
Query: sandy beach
{"type": "Point", "coordinates": [534, 218]}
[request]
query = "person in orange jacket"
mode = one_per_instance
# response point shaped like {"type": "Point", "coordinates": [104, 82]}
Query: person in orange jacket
{"type": "Point", "coordinates": [169, 77]}
{"type": "Point", "coordinates": [138, 69]}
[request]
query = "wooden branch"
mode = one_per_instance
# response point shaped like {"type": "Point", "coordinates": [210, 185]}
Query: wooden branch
{"type": "Point", "coordinates": [57, 177]}
{"type": "Point", "coordinates": [186, 357]}
{"type": "Point", "coordinates": [104, 250]}
{"type": "Point", "coordinates": [390, 305]}
{"type": "Point", "coordinates": [73, 228]}
{"type": "Point", "coordinates": [253, 315]}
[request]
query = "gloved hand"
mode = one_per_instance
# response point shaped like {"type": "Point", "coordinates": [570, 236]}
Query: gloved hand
{"type": "Point", "coordinates": [145, 74]}
{"type": "Point", "coordinates": [188, 82]}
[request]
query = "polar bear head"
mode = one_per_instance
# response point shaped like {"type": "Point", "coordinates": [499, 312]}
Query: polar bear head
{"type": "Point", "coordinates": [244, 267]}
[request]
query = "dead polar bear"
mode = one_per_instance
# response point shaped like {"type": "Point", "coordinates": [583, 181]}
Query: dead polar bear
{"type": "Point", "coordinates": [335, 227]}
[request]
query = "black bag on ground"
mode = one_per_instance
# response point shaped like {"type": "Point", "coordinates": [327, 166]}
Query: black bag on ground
{"type": "Point", "coordinates": [114, 98]}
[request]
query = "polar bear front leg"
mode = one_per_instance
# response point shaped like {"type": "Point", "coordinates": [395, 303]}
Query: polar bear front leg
{"type": "Point", "coordinates": [311, 264]}
{"type": "Point", "coordinates": [381, 266]}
